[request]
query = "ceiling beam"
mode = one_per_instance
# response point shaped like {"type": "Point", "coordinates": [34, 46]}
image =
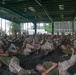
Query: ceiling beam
{"type": "Point", "coordinates": [45, 10]}
{"type": "Point", "coordinates": [14, 12]}
{"type": "Point", "coordinates": [52, 13]}
{"type": "Point", "coordinates": [31, 2]}
{"type": "Point", "coordinates": [8, 19]}
{"type": "Point", "coordinates": [20, 3]}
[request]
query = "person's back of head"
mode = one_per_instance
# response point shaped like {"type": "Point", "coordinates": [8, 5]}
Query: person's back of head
{"type": "Point", "coordinates": [40, 68]}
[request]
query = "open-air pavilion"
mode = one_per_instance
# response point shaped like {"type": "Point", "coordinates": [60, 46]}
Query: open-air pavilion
{"type": "Point", "coordinates": [58, 15]}
{"type": "Point", "coordinates": [39, 11]}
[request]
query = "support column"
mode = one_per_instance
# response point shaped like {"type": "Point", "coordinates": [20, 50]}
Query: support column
{"type": "Point", "coordinates": [27, 28]}
{"type": "Point", "coordinates": [72, 26]}
{"type": "Point", "coordinates": [52, 28]}
{"type": "Point", "coordinates": [5, 26]}
{"type": "Point", "coordinates": [19, 28]}
{"type": "Point", "coordinates": [1, 26]}
{"type": "Point", "coordinates": [35, 27]}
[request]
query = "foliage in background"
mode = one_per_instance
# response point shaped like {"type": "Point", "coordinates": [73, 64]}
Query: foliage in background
{"type": "Point", "coordinates": [2, 31]}
{"type": "Point", "coordinates": [14, 28]}
{"type": "Point", "coordinates": [48, 27]}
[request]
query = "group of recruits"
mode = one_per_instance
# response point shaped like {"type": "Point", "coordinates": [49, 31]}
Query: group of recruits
{"type": "Point", "coordinates": [38, 54]}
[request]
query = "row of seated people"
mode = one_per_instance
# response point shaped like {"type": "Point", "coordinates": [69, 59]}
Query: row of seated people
{"type": "Point", "coordinates": [38, 54]}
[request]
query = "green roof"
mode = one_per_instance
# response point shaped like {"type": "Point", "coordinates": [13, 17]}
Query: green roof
{"type": "Point", "coordinates": [38, 10]}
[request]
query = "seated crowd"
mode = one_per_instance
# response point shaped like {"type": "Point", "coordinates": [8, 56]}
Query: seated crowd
{"type": "Point", "coordinates": [39, 54]}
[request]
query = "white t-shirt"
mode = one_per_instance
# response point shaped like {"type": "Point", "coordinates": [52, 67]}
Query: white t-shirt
{"type": "Point", "coordinates": [27, 51]}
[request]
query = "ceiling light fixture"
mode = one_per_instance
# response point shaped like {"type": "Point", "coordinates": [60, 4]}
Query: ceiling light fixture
{"type": "Point", "coordinates": [32, 9]}
{"type": "Point", "coordinates": [61, 7]}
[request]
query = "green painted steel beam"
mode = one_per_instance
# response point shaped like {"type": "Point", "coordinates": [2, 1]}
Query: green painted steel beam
{"type": "Point", "coordinates": [14, 12]}
{"type": "Point", "coordinates": [7, 19]}
{"type": "Point", "coordinates": [52, 28]}
{"type": "Point", "coordinates": [45, 10]}
{"type": "Point", "coordinates": [35, 27]}
{"type": "Point", "coordinates": [72, 26]}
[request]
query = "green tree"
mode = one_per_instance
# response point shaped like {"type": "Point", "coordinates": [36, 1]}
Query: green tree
{"type": "Point", "coordinates": [2, 31]}
{"type": "Point", "coordinates": [48, 27]}
{"type": "Point", "coordinates": [14, 28]}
